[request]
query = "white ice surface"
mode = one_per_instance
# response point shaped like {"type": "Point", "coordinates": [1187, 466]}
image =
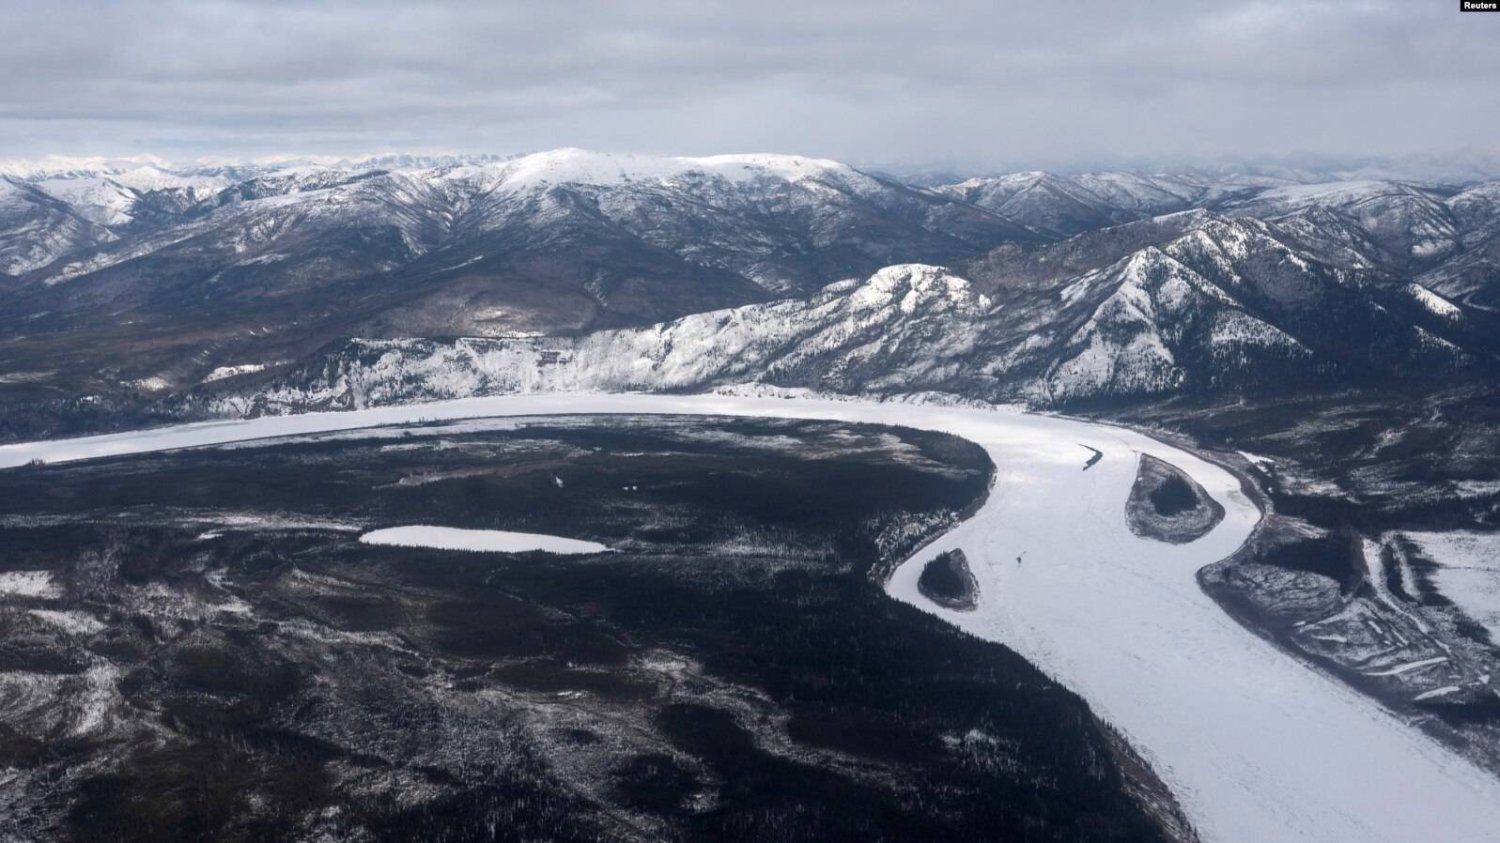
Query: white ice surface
{"type": "Point", "coordinates": [1257, 746]}
{"type": "Point", "coordinates": [453, 538]}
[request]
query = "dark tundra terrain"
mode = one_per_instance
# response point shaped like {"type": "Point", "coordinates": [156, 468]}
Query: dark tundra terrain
{"type": "Point", "coordinates": [194, 645]}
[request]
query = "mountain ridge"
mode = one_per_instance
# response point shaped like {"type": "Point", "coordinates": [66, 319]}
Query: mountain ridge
{"type": "Point", "coordinates": [135, 285]}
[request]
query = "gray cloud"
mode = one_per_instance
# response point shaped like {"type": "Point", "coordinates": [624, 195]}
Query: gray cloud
{"type": "Point", "coordinates": [875, 82]}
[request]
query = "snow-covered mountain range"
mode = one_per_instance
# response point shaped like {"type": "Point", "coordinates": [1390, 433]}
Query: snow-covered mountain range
{"type": "Point", "coordinates": [132, 280]}
{"type": "Point", "coordinates": [1212, 304]}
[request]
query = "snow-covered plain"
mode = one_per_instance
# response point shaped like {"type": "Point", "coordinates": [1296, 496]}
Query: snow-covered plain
{"type": "Point", "coordinates": [453, 538]}
{"type": "Point", "coordinates": [1257, 746]}
{"type": "Point", "coordinates": [1468, 572]}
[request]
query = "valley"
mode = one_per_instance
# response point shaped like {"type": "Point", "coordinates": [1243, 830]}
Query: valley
{"type": "Point", "coordinates": [1097, 612]}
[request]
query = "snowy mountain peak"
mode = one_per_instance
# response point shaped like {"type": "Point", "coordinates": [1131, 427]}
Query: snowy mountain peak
{"type": "Point", "coordinates": [1334, 192]}
{"type": "Point", "coordinates": [912, 286]}
{"type": "Point", "coordinates": [64, 166]}
{"type": "Point", "coordinates": [600, 169]}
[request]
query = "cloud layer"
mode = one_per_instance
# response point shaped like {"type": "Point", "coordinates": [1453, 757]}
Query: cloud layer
{"type": "Point", "coordinates": [874, 81]}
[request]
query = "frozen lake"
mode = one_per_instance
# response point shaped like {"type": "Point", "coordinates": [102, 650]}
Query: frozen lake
{"type": "Point", "coordinates": [1257, 746]}
{"type": "Point", "coordinates": [453, 538]}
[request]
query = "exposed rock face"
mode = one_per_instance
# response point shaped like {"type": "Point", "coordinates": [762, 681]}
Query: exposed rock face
{"type": "Point", "coordinates": [1167, 505]}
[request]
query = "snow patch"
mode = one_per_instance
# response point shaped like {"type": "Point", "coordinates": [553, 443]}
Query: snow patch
{"type": "Point", "coordinates": [29, 584]}
{"type": "Point", "coordinates": [1434, 303]}
{"type": "Point", "coordinates": [223, 372]}
{"type": "Point", "coordinates": [152, 384]}
{"type": "Point", "coordinates": [1408, 667]}
{"type": "Point", "coordinates": [77, 623]}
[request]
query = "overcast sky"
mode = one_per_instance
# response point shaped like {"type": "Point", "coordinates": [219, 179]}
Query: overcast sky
{"type": "Point", "coordinates": [872, 82]}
